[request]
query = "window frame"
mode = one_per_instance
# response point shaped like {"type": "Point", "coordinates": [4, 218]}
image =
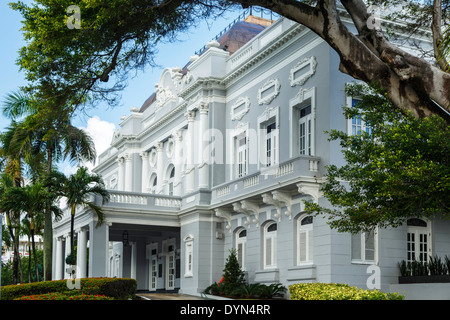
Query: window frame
{"type": "Point", "coordinates": [241, 241]}
{"type": "Point", "coordinates": [350, 121]}
{"type": "Point", "coordinates": [304, 98]}
{"type": "Point", "coordinates": [308, 229]}
{"type": "Point", "coordinates": [272, 237]}
{"type": "Point", "coordinates": [188, 256]}
{"type": "Point", "coordinates": [270, 116]}
{"type": "Point", "coordinates": [361, 239]}
{"type": "Point", "coordinates": [417, 231]}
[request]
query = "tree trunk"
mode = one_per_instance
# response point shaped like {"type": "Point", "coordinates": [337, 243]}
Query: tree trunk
{"type": "Point", "coordinates": [72, 222]}
{"type": "Point", "coordinates": [48, 231]}
{"type": "Point", "coordinates": [33, 246]}
{"type": "Point", "coordinates": [29, 261]}
{"type": "Point", "coordinates": [412, 84]}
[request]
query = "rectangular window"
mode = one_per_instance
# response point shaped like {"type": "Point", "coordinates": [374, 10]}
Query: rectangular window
{"type": "Point", "coordinates": [242, 156]}
{"type": "Point", "coordinates": [189, 250]}
{"type": "Point", "coordinates": [356, 124]}
{"type": "Point", "coordinates": [271, 144]}
{"type": "Point", "coordinates": [305, 131]}
{"type": "Point", "coordinates": [363, 247]}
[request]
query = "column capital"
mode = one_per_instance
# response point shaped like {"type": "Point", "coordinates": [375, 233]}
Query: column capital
{"type": "Point", "coordinates": [177, 135]}
{"type": "Point", "coordinates": [203, 108]}
{"type": "Point", "coordinates": [144, 154]}
{"type": "Point", "coordinates": [160, 146]}
{"type": "Point", "coordinates": [190, 115]}
{"type": "Point", "coordinates": [128, 157]}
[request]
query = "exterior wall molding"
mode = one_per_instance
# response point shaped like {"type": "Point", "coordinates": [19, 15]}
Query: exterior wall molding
{"type": "Point", "coordinates": [310, 188]}
{"type": "Point", "coordinates": [273, 85]}
{"type": "Point", "coordinates": [242, 101]}
{"type": "Point", "coordinates": [224, 214]}
{"type": "Point", "coordinates": [284, 198]}
{"type": "Point", "coordinates": [269, 199]}
{"type": "Point", "coordinates": [267, 50]}
{"type": "Point", "coordinates": [310, 63]}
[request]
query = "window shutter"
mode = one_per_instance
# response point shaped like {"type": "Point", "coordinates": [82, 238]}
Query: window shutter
{"type": "Point", "coordinates": [268, 252]}
{"type": "Point", "coordinates": [302, 244]}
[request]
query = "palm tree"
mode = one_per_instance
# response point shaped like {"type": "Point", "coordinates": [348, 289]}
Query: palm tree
{"type": "Point", "coordinates": [44, 133]}
{"type": "Point", "coordinates": [78, 189]}
{"type": "Point", "coordinates": [11, 200]}
{"type": "Point", "coordinates": [36, 200]}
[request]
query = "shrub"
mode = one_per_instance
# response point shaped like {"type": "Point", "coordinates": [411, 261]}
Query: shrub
{"type": "Point", "coordinates": [233, 276]}
{"type": "Point", "coordinates": [61, 296]}
{"type": "Point", "coordinates": [336, 291]}
{"type": "Point", "coordinates": [117, 288]}
{"type": "Point", "coordinates": [272, 290]}
{"type": "Point", "coordinates": [434, 266]}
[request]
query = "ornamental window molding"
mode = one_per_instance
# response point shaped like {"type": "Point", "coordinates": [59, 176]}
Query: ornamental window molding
{"type": "Point", "coordinates": [240, 108]}
{"type": "Point", "coordinates": [269, 91]}
{"type": "Point", "coordinates": [302, 71]}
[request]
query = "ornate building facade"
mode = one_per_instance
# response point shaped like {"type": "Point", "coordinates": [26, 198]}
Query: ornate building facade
{"type": "Point", "coordinates": [223, 155]}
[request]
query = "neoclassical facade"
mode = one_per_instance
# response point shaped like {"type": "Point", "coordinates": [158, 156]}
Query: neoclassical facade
{"type": "Point", "coordinates": [223, 155]}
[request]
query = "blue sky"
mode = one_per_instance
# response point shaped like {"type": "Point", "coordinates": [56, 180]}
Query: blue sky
{"type": "Point", "coordinates": [102, 121]}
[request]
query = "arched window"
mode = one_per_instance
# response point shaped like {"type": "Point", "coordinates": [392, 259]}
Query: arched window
{"type": "Point", "coordinates": [418, 240]}
{"type": "Point", "coordinates": [153, 183]}
{"type": "Point", "coordinates": [171, 181]}
{"type": "Point", "coordinates": [270, 245]}
{"type": "Point", "coordinates": [241, 246]}
{"type": "Point", "coordinates": [305, 240]}
{"type": "Point", "coordinates": [189, 255]}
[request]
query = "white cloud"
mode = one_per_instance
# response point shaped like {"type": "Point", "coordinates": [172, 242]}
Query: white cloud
{"type": "Point", "coordinates": [101, 133]}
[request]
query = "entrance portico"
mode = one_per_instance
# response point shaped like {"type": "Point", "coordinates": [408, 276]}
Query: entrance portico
{"type": "Point", "coordinates": [134, 242]}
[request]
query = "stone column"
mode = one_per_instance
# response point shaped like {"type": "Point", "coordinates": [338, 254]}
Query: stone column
{"type": "Point", "coordinates": [121, 177]}
{"type": "Point", "coordinates": [160, 167]}
{"type": "Point", "coordinates": [178, 161]}
{"type": "Point", "coordinates": [128, 172]}
{"type": "Point", "coordinates": [203, 157]}
{"type": "Point", "coordinates": [67, 252]}
{"type": "Point", "coordinates": [98, 249]}
{"type": "Point", "coordinates": [189, 145]}
{"type": "Point", "coordinates": [133, 260]}
{"type": "Point", "coordinates": [59, 259]}
{"type": "Point", "coordinates": [145, 167]}
{"type": "Point", "coordinates": [82, 254]}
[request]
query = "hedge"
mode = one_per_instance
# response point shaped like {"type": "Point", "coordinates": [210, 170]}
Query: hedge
{"type": "Point", "coordinates": [62, 296]}
{"type": "Point", "coordinates": [116, 288]}
{"type": "Point", "coordinates": [337, 291]}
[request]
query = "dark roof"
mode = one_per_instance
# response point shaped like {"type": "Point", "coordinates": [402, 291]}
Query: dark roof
{"type": "Point", "coordinates": [236, 37]}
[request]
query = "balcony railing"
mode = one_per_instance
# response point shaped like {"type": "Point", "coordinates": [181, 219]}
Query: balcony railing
{"type": "Point", "coordinates": [302, 166]}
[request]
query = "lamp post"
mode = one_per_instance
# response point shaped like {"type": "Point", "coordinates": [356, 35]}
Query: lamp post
{"type": "Point", "coordinates": [125, 238]}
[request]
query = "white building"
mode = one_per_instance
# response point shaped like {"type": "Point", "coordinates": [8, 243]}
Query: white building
{"type": "Point", "coordinates": [222, 156]}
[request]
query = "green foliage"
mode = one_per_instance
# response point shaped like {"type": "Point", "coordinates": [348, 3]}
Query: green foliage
{"type": "Point", "coordinates": [260, 291]}
{"type": "Point", "coordinates": [434, 266]}
{"type": "Point", "coordinates": [337, 291]}
{"type": "Point", "coordinates": [397, 171]}
{"type": "Point", "coordinates": [61, 296]}
{"type": "Point", "coordinates": [233, 276]}
{"type": "Point", "coordinates": [72, 67]}
{"type": "Point", "coordinates": [116, 288]}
